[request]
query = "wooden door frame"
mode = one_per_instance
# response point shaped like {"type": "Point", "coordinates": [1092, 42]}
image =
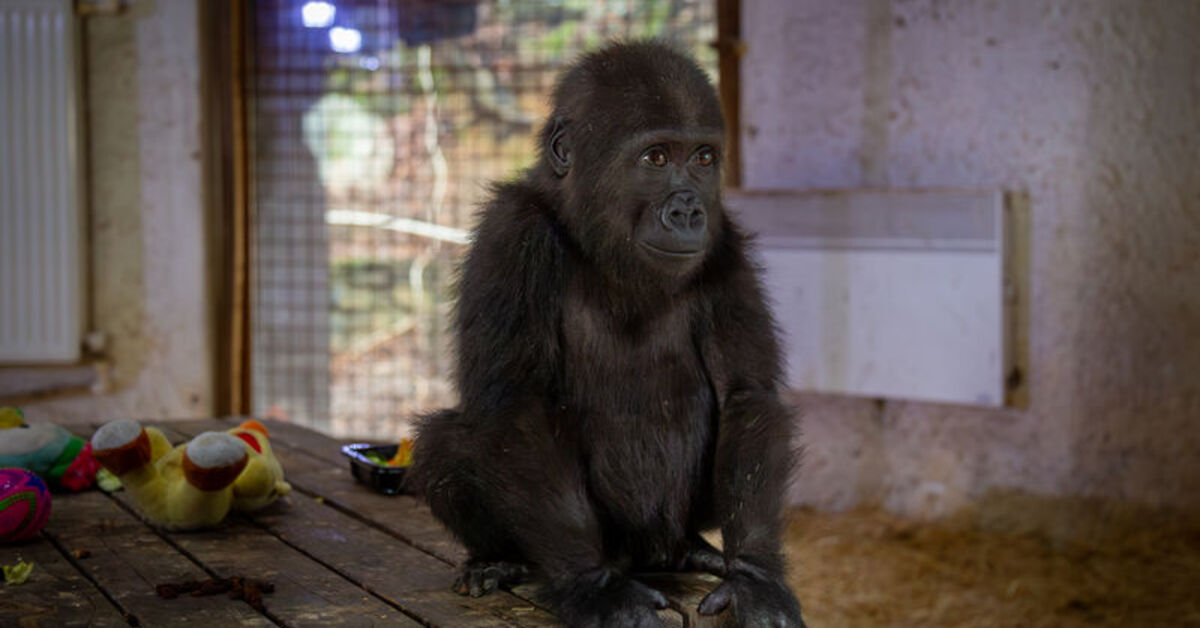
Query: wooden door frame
{"type": "Point", "coordinates": [225, 58]}
{"type": "Point", "coordinates": [730, 49]}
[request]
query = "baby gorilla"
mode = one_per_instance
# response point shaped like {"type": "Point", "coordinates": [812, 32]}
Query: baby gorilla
{"type": "Point", "coordinates": [617, 365]}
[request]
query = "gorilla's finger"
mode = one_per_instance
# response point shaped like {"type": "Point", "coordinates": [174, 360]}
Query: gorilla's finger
{"type": "Point", "coordinates": [657, 599]}
{"type": "Point", "coordinates": [716, 601]}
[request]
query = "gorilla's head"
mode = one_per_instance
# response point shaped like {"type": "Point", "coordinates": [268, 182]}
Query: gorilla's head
{"type": "Point", "coordinates": [634, 146]}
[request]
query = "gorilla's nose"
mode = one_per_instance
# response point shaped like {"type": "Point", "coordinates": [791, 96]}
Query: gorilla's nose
{"type": "Point", "coordinates": [684, 214]}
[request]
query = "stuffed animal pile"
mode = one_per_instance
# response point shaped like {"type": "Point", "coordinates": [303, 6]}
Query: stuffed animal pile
{"type": "Point", "coordinates": [63, 461]}
{"type": "Point", "coordinates": [195, 484]}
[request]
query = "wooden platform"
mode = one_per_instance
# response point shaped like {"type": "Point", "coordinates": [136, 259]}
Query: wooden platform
{"type": "Point", "coordinates": [336, 553]}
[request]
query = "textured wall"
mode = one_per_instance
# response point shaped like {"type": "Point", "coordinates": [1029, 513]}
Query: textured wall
{"type": "Point", "coordinates": [1093, 108]}
{"type": "Point", "coordinates": [146, 268]}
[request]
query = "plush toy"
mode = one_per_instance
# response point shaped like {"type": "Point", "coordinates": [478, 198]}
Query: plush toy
{"type": "Point", "coordinates": [62, 459]}
{"type": "Point", "coordinates": [195, 484]}
{"type": "Point", "coordinates": [24, 504]}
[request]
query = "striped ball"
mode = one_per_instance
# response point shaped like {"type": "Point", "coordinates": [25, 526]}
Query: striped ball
{"type": "Point", "coordinates": [24, 505]}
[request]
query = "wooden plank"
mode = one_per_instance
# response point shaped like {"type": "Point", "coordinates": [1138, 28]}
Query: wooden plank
{"type": "Point", "coordinates": [306, 592]}
{"type": "Point", "coordinates": [410, 578]}
{"type": "Point", "coordinates": [315, 467]}
{"type": "Point", "coordinates": [414, 522]}
{"type": "Point", "coordinates": [417, 523]}
{"type": "Point", "coordinates": [313, 464]}
{"type": "Point", "coordinates": [56, 593]}
{"type": "Point", "coordinates": [685, 590]}
{"type": "Point", "coordinates": [404, 516]}
{"type": "Point", "coordinates": [128, 559]}
{"type": "Point", "coordinates": [304, 439]}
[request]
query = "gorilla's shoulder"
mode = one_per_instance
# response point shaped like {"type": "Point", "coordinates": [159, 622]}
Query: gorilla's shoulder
{"type": "Point", "coordinates": [518, 214]}
{"type": "Point", "coordinates": [515, 205]}
{"type": "Point", "coordinates": [517, 232]}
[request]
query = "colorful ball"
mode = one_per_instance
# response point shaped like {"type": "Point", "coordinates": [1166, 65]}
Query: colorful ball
{"type": "Point", "coordinates": [24, 505]}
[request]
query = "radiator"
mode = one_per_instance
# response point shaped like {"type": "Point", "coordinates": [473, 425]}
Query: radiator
{"type": "Point", "coordinates": [891, 294]}
{"type": "Point", "coordinates": [41, 286]}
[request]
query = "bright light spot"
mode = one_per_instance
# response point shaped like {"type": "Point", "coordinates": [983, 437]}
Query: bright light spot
{"type": "Point", "coordinates": [345, 39]}
{"type": "Point", "coordinates": [318, 14]}
{"type": "Point", "coordinates": [369, 63]}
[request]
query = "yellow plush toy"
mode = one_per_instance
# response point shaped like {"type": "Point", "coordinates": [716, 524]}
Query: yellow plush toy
{"type": "Point", "coordinates": [195, 484]}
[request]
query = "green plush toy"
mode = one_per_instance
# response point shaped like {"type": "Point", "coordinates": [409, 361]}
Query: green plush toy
{"type": "Point", "coordinates": [61, 459]}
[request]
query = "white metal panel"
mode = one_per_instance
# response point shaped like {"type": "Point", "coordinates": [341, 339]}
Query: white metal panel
{"type": "Point", "coordinates": [40, 248]}
{"type": "Point", "coordinates": [888, 294]}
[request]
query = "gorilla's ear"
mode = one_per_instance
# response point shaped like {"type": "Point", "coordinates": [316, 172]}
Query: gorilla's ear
{"type": "Point", "coordinates": [557, 147]}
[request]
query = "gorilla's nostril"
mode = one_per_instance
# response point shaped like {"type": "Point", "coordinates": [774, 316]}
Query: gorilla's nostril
{"type": "Point", "coordinates": [683, 212]}
{"type": "Point", "coordinates": [675, 218]}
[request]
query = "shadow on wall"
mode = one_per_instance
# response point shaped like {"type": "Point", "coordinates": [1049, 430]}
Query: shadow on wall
{"type": "Point", "coordinates": [1094, 109]}
{"type": "Point", "coordinates": [1135, 388]}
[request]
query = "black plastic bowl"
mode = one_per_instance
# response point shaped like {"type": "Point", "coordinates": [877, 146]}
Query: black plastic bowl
{"type": "Point", "coordinates": [381, 477]}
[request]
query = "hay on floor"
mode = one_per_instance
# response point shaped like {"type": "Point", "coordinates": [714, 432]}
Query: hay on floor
{"type": "Point", "coordinates": [994, 569]}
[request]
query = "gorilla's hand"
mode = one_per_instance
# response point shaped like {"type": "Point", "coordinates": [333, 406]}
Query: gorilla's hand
{"type": "Point", "coordinates": [612, 599]}
{"type": "Point", "coordinates": [754, 602]}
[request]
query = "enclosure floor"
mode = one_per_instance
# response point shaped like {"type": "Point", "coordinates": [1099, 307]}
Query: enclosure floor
{"type": "Point", "coordinates": [868, 568]}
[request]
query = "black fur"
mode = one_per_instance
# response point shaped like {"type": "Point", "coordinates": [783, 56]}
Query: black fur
{"type": "Point", "coordinates": [616, 400]}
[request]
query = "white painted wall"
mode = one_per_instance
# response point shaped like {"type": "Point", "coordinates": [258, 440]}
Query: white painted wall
{"type": "Point", "coordinates": [147, 265]}
{"type": "Point", "coordinates": [1093, 108]}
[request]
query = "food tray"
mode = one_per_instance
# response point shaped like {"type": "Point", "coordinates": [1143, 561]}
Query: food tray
{"type": "Point", "coordinates": [382, 478]}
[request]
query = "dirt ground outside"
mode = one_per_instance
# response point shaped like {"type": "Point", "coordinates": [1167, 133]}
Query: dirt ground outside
{"type": "Point", "coordinates": [1018, 561]}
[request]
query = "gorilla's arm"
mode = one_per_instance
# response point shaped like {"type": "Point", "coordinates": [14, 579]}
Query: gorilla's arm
{"type": "Point", "coordinates": [754, 453]}
{"type": "Point", "coordinates": [510, 298]}
{"type": "Point", "coordinates": [509, 357]}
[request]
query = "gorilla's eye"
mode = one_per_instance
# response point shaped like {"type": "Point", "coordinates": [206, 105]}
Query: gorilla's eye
{"type": "Point", "coordinates": [656, 157]}
{"type": "Point", "coordinates": [705, 156]}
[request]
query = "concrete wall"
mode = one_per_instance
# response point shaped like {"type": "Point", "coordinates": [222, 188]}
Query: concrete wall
{"type": "Point", "coordinates": [146, 264]}
{"type": "Point", "coordinates": [1091, 107]}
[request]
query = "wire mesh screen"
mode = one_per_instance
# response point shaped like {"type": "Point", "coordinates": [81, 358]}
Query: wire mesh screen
{"type": "Point", "coordinates": [377, 125]}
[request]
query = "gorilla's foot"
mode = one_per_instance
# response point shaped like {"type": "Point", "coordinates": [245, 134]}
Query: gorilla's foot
{"type": "Point", "coordinates": [605, 597]}
{"type": "Point", "coordinates": [481, 577]}
{"type": "Point", "coordinates": [705, 559]}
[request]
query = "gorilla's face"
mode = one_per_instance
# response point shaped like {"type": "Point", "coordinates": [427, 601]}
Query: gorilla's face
{"type": "Point", "coordinates": [634, 145]}
{"type": "Point", "coordinates": [674, 185]}
{"type": "Point", "coordinates": [648, 203]}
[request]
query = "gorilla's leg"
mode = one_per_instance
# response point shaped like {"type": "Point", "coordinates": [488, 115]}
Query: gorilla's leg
{"type": "Point", "coordinates": [481, 577]}
{"type": "Point", "coordinates": [514, 496]}
{"type": "Point", "coordinates": [494, 560]}
{"type": "Point", "coordinates": [450, 478]}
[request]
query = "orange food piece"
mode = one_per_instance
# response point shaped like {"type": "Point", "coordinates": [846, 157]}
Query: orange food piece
{"type": "Point", "coordinates": [403, 456]}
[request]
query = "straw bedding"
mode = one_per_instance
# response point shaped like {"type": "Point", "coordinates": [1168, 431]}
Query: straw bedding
{"type": "Point", "coordinates": [1015, 563]}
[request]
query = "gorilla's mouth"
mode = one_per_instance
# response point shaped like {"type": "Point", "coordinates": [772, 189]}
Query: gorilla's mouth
{"type": "Point", "coordinates": [676, 254]}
